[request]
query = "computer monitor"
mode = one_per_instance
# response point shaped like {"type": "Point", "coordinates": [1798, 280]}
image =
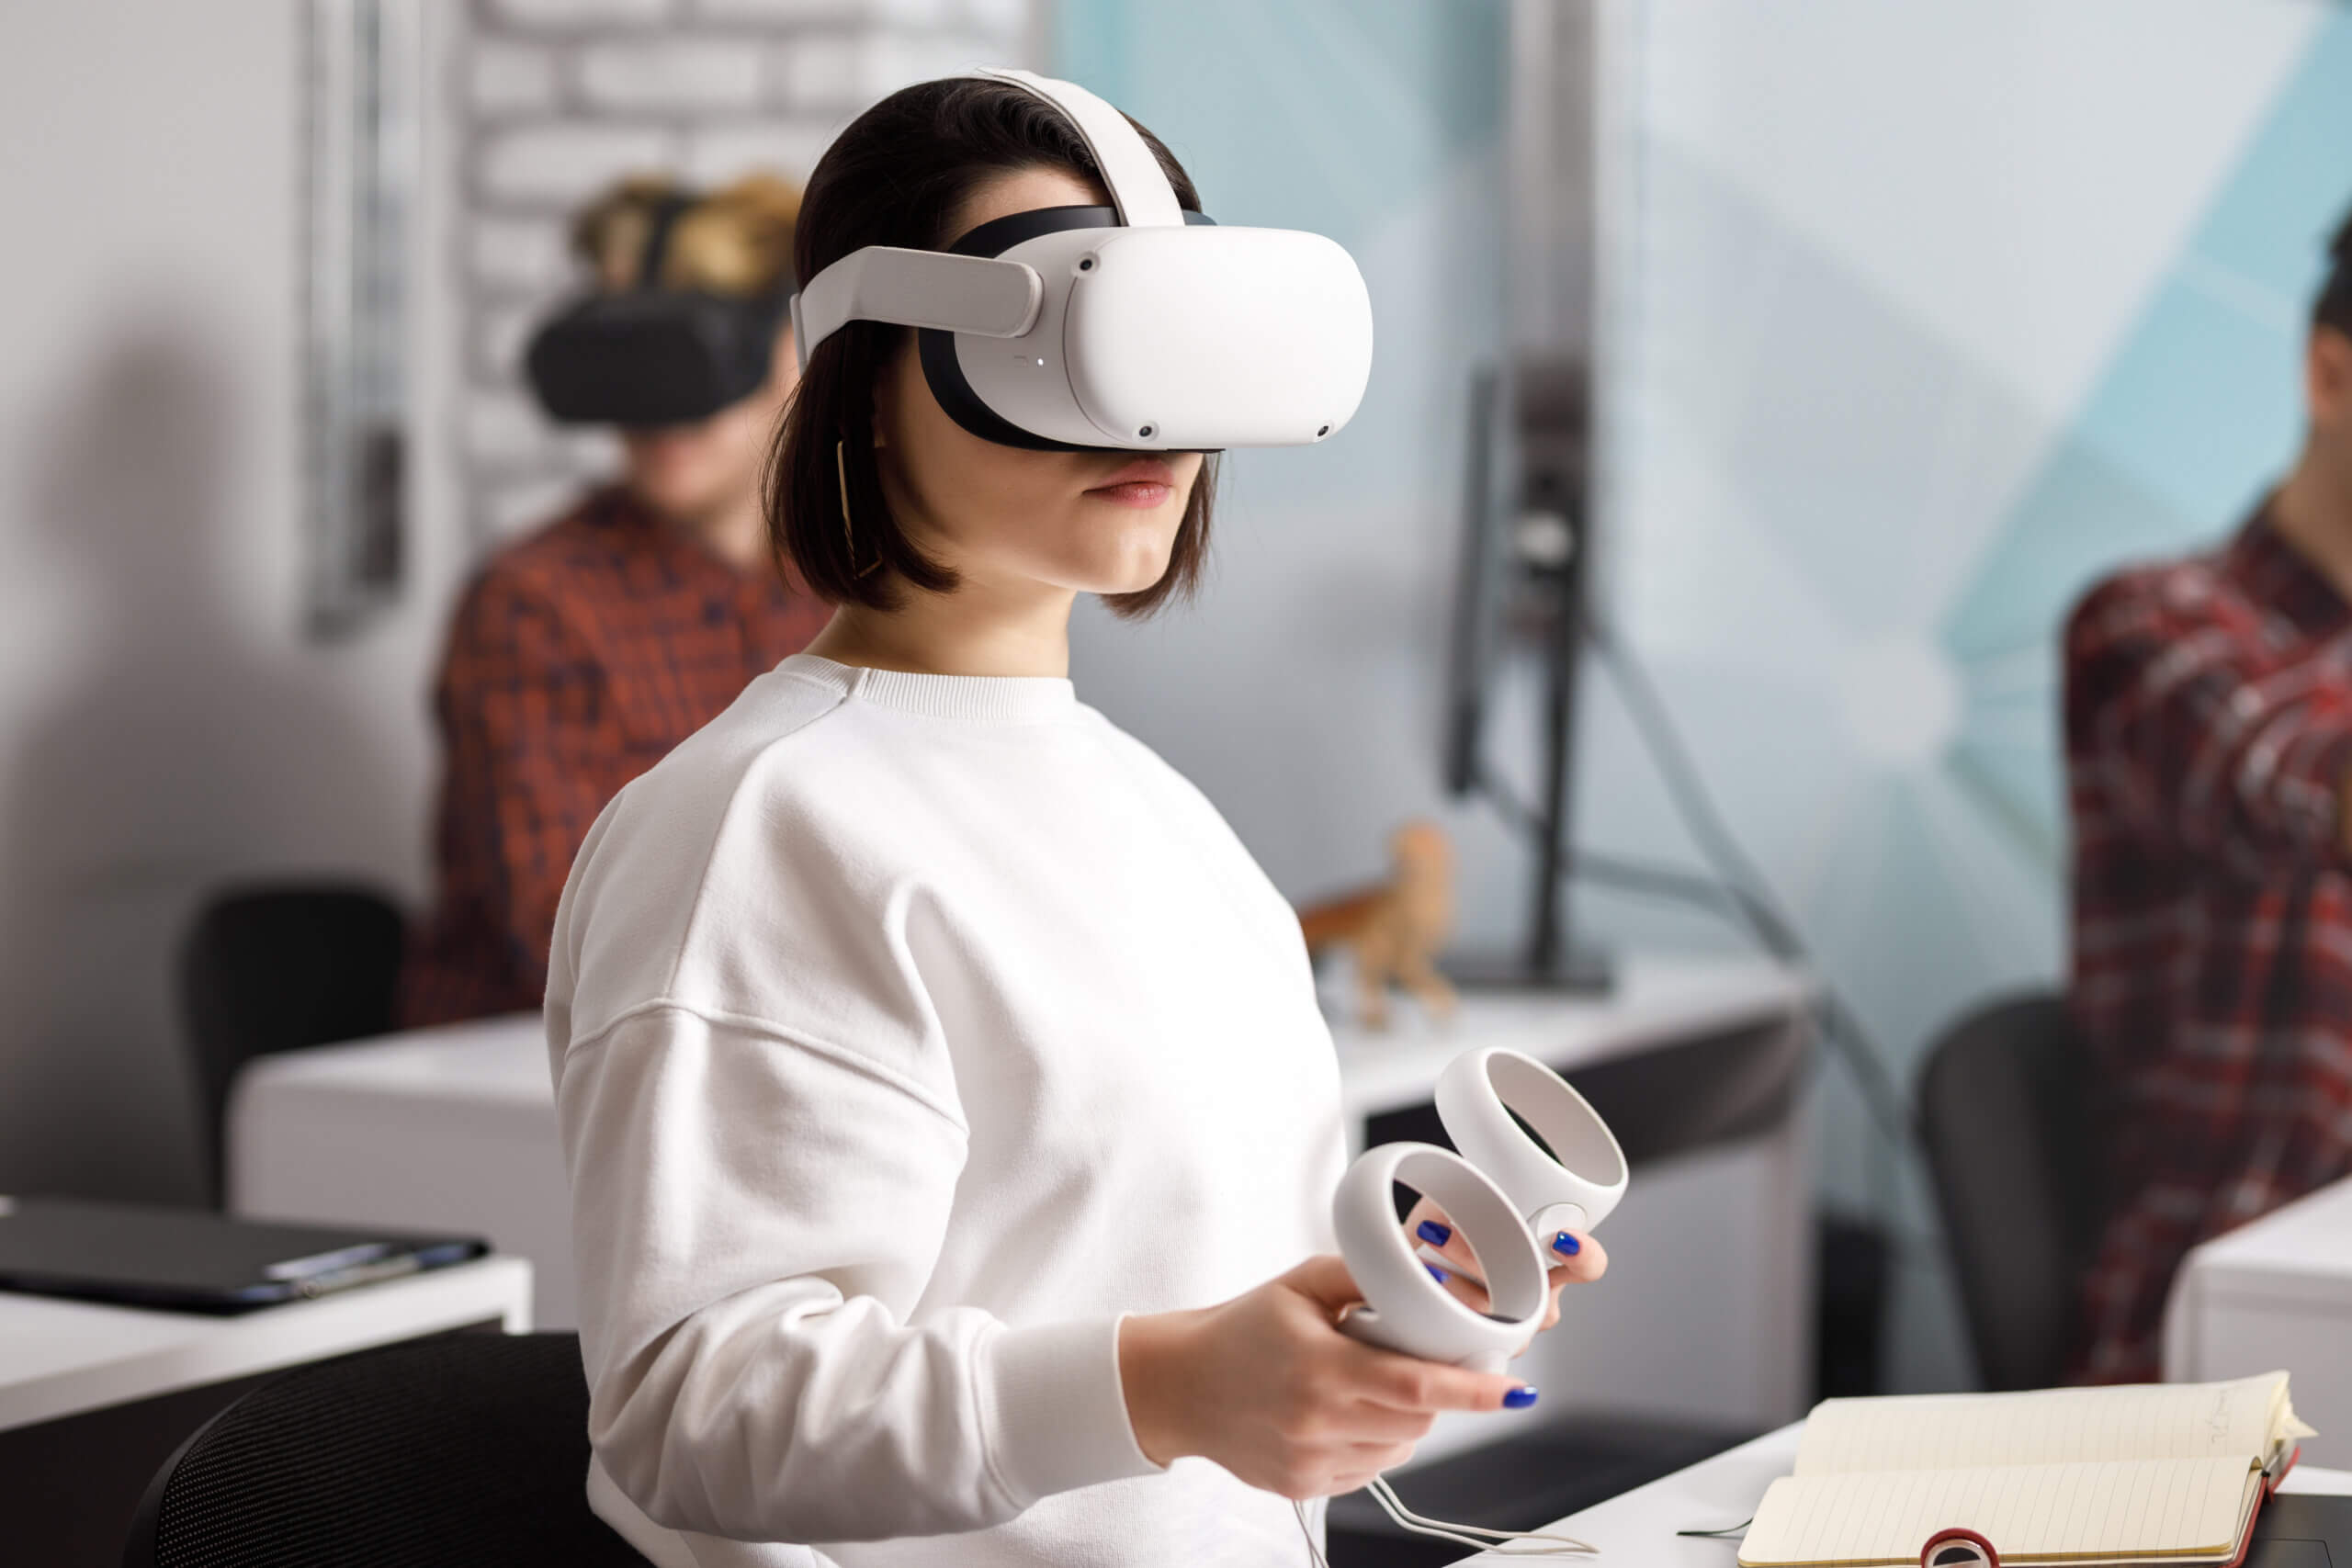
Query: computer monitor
{"type": "Point", "coordinates": [1519, 592]}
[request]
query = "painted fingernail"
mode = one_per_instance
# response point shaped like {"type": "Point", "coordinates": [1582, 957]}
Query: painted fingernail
{"type": "Point", "coordinates": [1565, 1243]}
{"type": "Point", "coordinates": [1435, 1272]}
{"type": "Point", "coordinates": [1434, 1233]}
{"type": "Point", "coordinates": [1521, 1397]}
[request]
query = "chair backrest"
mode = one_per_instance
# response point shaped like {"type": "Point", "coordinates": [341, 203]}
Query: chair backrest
{"type": "Point", "coordinates": [279, 968]}
{"type": "Point", "coordinates": [2005, 1116]}
{"type": "Point", "coordinates": [436, 1453]}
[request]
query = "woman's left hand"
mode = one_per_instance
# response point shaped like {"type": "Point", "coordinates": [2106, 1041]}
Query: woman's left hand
{"type": "Point", "coordinates": [1573, 1258]}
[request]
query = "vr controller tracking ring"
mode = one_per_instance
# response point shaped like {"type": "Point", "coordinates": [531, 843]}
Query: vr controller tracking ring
{"type": "Point", "coordinates": [1405, 1309]}
{"type": "Point", "coordinates": [1569, 1175]}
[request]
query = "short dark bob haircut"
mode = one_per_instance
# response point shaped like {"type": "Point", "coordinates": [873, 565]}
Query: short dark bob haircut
{"type": "Point", "coordinates": [896, 176]}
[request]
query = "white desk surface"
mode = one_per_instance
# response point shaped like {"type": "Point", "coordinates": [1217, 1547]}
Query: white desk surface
{"type": "Point", "coordinates": [2303, 1249]}
{"type": "Point", "coordinates": [1636, 1530]}
{"type": "Point", "coordinates": [500, 1063]}
{"type": "Point", "coordinates": [1657, 1000]}
{"type": "Point", "coordinates": [496, 1062]}
{"type": "Point", "coordinates": [57, 1358]}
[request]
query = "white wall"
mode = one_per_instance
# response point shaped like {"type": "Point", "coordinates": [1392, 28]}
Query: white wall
{"type": "Point", "coordinates": [164, 726]}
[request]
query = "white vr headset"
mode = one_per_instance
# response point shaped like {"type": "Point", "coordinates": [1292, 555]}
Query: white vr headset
{"type": "Point", "coordinates": [1135, 327]}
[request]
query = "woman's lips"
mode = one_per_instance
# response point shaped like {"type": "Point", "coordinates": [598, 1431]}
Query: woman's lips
{"type": "Point", "coordinates": [1147, 482]}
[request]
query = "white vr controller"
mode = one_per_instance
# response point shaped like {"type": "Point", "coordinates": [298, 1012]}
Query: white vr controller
{"type": "Point", "coordinates": [1507, 1194]}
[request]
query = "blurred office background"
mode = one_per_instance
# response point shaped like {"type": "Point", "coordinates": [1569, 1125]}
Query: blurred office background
{"type": "Point", "coordinates": [1912, 320]}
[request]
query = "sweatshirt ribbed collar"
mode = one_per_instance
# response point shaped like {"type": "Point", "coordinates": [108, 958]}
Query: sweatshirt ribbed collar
{"type": "Point", "coordinates": [1003, 698]}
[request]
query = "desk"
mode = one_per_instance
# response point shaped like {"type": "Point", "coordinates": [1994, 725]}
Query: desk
{"type": "Point", "coordinates": [1706, 1313]}
{"type": "Point", "coordinates": [93, 1398]}
{"type": "Point", "coordinates": [2276, 1292]}
{"type": "Point", "coordinates": [1636, 1530]}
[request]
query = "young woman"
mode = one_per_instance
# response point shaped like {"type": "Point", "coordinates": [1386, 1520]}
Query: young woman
{"type": "Point", "coordinates": [951, 1125]}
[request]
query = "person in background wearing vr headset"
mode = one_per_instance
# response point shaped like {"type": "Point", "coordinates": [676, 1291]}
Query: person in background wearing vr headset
{"type": "Point", "coordinates": [581, 654]}
{"type": "Point", "coordinates": [2209, 742]}
{"type": "Point", "coordinates": [951, 1122]}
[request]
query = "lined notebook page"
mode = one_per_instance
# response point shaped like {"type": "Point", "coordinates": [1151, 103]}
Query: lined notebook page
{"type": "Point", "coordinates": [1957, 1431]}
{"type": "Point", "coordinates": [2172, 1508]}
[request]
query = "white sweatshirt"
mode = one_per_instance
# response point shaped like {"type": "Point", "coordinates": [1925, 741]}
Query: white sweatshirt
{"type": "Point", "coordinates": [908, 1030]}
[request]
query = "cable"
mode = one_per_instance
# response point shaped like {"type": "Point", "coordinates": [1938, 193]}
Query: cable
{"type": "Point", "coordinates": [1313, 1551]}
{"type": "Point", "coordinates": [1749, 914]}
{"type": "Point", "coordinates": [1501, 1543]}
{"type": "Point", "coordinates": [1742, 878]}
{"type": "Point", "coordinates": [1737, 886]}
{"type": "Point", "coordinates": [1478, 1537]}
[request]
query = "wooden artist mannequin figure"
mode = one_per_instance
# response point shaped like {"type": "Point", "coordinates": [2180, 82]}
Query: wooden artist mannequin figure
{"type": "Point", "coordinates": [1394, 930]}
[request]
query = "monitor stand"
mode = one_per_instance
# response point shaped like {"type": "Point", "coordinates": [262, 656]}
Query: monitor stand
{"type": "Point", "coordinates": [1579, 972]}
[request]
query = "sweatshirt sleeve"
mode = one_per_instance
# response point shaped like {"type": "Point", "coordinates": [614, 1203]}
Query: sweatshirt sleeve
{"type": "Point", "coordinates": [2177, 701]}
{"type": "Point", "coordinates": [755, 1218]}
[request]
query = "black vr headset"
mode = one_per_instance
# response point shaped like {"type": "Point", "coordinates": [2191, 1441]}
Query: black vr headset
{"type": "Point", "coordinates": [649, 355]}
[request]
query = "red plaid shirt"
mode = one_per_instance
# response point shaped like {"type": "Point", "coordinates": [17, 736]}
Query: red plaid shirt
{"type": "Point", "coordinates": [578, 657]}
{"type": "Point", "coordinates": [2209, 729]}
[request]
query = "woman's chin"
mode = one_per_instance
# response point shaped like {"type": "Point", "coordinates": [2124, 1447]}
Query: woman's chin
{"type": "Point", "coordinates": [1131, 573]}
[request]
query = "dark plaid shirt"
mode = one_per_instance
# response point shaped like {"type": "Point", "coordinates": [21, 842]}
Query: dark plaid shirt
{"type": "Point", "coordinates": [2209, 729]}
{"type": "Point", "coordinates": [578, 657]}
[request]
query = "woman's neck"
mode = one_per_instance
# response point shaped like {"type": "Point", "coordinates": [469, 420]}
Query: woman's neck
{"type": "Point", "coordinates": [969, 630]}
{"type": "Point", "coordinates": [734, 531]}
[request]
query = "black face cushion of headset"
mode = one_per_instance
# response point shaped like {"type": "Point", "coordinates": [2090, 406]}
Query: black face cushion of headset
{"type": "Point", "coordinates": [641, 357]}
{"type": "Point", "coordinates": [936, 349]}
{"type": "Point", "coordinates": [651, 355]}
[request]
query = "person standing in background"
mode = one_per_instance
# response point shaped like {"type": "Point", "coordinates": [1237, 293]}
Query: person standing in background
{"type": "Point", "coordinates": [2209, 743]}
{"type": "Point", "coordinates": [582, 653]}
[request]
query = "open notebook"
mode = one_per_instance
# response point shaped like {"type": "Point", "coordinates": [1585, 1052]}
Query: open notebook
{"type": "Point", "coordinates": [2154, 1473]}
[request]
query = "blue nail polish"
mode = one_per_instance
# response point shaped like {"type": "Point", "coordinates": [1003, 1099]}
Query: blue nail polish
{"type": "Point", "coordinates": [1434, 1233]}
{"type": "Point", "coordinates": [1435, 1272]}
{"type": "Point", "coordinates": [1520, 1398]}
{"type": "Point", "coordinates": [1565, 1243]}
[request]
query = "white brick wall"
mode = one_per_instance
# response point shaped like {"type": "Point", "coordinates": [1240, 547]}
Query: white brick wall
{"type": "Point", "coordinates": [689, 75]}
{"type": "Point", "coordinates": [552, 167]}
{"type": "Point", "coordinates": [575, 14]}
{"type": "Point", "coordinates": [507, 79]}
{"type": "Point", "coordinates": [522, 254]}
{"type": "Point", "coordinates": [553, 99]}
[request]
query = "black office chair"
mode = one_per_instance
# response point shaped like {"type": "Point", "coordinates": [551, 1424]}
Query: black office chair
{"type": "Point", "coordinates": [279, 968]}
{"type": "Point", "coordinates": [462, 1450]}
{"type": "Point", "coordinates": [2010, 1136]}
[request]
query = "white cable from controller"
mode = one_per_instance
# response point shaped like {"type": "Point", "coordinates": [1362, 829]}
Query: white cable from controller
{"type": "Point", "coordinates": [1501, 1543]}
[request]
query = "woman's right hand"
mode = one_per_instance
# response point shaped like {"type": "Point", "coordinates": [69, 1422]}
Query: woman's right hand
{"type": "Point", "coordinates": [1267, 1386]}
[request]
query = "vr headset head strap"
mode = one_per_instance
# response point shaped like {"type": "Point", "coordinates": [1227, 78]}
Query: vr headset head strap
{"type": "Point", "coordinates": [665, 216]}
{"type": "Point", "coordinates": [1140, 187]}
{"type": "Point", "coordinates": [980, 295]}
{"type": "Point", "coordinates": [917, 288]}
